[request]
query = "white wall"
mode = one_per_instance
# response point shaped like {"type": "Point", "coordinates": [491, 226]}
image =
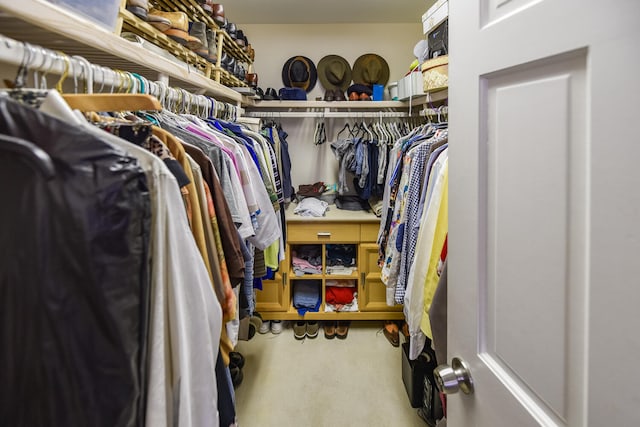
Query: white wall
{"type": "Point", "coordinates": [274, 44]}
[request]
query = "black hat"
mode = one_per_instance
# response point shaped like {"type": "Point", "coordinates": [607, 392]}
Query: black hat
{"type": "Point", "coordinates": [299, 71]}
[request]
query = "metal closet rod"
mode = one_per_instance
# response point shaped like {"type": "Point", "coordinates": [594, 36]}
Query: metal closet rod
{"type": "Point", "coordinates": [36, 58]}
{"type": "Point", "coordinates": [327, 115]}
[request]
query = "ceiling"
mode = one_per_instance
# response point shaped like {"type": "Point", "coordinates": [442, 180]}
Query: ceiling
{"type": "Point", "coordinates": [324, 11]}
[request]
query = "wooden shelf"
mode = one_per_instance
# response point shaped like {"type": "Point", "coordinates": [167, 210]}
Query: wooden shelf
{"type": "Point", "coordinates": [42, 23]}
{"type": "Point", "coordinates": [417, 102]}
{"type": "Point", "coordinates": [292, 314]}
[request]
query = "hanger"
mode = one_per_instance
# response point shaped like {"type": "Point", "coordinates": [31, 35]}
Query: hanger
{"type": "Point", "coordinates": [345, 127]}
{"type": "Point", "coordinates": [36, 155]}
{"type": "Point", "coordinates": [112, 102]}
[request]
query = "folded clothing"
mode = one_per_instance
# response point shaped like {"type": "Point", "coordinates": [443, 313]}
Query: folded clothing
{"type": "Point", "coordinates": [306, 294]}
{"type": "Point", "coordinates": [342, 283]}
{"type": "Point", "coordinates": [311, 206]}
{"type": "Point", "coordinates": [339, 295]}
{"type": "Point", "coordinates": [302, 266]}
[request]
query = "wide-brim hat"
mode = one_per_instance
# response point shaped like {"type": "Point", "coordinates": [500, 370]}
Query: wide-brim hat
{"type": "Point", "coordinates": [299, 71]}
{"type": "Point", "coordinates": [334, 72]}
{"type": "Point", "coordinates": [370, 69]}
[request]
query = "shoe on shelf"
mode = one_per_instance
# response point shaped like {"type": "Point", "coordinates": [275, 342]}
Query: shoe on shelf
{"type": "Point", "coordinates": [198, 30]}
{"type": "Point", "coordinates": [342, 330]}
{"type": "Point", "coordinates": [300, 330]}
{"type": "Point", "coordinates": [236, 359]}
{"type": "Point", "coordinates": [391, 332]}
{"type": "Point", "coordinates": [312, 329]}
{"type": "Point", "coordinates": [265, 327]}
{"type": "Point", "coordinates": [329, 330]}
{"type": "Point", "coordinates": [140, 8]}
{"type": "Point", "coordinates": [276, 326]}
{"type": "Point", "coordinates": [328, 95]}
{"type": "Point", "coordinates": [160, 23]}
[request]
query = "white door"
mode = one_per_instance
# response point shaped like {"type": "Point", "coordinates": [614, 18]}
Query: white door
{"type": "Point", "coordinates": [544, 241]}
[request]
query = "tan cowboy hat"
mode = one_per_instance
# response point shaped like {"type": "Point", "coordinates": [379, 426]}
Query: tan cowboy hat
{"type": "Point", "coordinates": [334, 72]}
{"type": "Point", "coordinates": [370, 69]}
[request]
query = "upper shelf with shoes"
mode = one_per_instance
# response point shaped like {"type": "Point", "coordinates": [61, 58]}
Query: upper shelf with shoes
{"type": "Point", "coordinates": [42, 23]}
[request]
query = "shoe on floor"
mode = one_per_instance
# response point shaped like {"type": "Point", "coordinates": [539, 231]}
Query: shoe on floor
{"type": "Point", "coordinates": [312, 329]}
{"type": "Point", "coordinates": [236, 359]}
{"type": "Point", "coordinates": [276, 326]}
{"type": "Point", "coordinates": [329, 330]}
{"type": "Point", "coordinates": [391, 332]}
{"type": "Point", "coordinates": [342, 330]}
{"type": "Point", "coordinates": [236, 376]}
{"type": "Point", "coordinates": [266, 327]}
{"type": "Point", "coordinates": [300, 330]}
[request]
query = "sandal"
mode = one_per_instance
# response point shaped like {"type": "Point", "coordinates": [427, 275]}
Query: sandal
{"type": "Point", "coordinates": [342, 330]}
{"type": "Point", "coordinates": [329, 330]}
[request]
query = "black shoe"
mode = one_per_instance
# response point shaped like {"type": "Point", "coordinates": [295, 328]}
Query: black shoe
{"type": "Point", "coordinates": [236, 359]}
{"type": "Point", "coordinates": [236, 376]}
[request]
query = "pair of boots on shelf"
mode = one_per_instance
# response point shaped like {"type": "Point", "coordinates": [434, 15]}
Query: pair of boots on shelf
{"type": "Point", "coordinates": [339, 329]}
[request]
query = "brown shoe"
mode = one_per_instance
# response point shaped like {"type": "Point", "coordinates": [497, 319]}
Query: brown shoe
{"type": "Point", "coordinates": [391, 332]}
{"type": "Point", "coordinates": [329, 330]}
{"type": "Point", "coordinates": [342, 330]}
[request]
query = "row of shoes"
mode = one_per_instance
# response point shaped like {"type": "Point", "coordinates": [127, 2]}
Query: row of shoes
{"type": "Point", "coordinates": [269, 95]}
{"type": "Point", "coordinates": [334, 95]}
{"type": "Point", "coordinates": [359, 92]}
{"type": "Point", "coordinates": [195, 36]}
{"type": "Point", "coordinates": [216, 11]}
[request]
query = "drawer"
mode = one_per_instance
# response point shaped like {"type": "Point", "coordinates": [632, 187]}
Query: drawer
{"type": "Point", "coordinates": [323, 232]}
{"type": "Point", "coordinates": [369, 232]}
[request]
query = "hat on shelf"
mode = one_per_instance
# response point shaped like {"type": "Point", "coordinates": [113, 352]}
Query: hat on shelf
{"type": "Point", "coordinates": [334, 72]}
{"type": "Point", "coordinates": [299, 71]}
{"type": "Point", "coordinates": [370, 69]}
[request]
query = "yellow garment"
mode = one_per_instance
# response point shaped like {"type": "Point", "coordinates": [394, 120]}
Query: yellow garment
{"type": "Point", "coordinates": [431, 282]}
{"type": "Point", "coordinates": [197, 226]}
{"type": "Point", "coordinates": [271, 255]}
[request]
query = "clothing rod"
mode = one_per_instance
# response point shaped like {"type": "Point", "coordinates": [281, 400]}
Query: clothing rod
{"type": "Point", "coordinates": [327, 115]}
{"type": "Point", "coordinates": [434, 111]}
{"type": "Point", "coordinates": [39, 59]}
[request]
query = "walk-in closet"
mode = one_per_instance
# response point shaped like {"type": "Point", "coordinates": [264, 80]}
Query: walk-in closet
{"type": "Point", "coordinates": [277, 213]}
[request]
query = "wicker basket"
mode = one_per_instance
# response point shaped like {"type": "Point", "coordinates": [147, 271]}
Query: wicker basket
{"type": "Point", "coordinates": [435, 74]}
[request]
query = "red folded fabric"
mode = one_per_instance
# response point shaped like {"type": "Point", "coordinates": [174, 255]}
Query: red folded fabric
{"type": "Point", "coordinates": [339, 295]}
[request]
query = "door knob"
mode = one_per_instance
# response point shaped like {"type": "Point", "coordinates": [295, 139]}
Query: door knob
{"type": "Point", "coordinates": [452, 378]}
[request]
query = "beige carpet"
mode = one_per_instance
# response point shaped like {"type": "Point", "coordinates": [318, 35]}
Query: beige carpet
{"type": "Point", "coordinates": [355, 382]}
